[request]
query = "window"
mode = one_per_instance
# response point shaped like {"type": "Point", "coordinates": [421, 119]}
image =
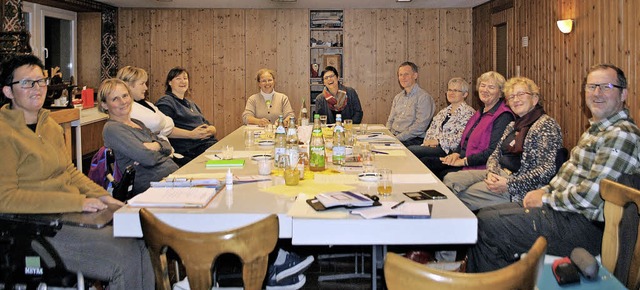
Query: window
{"type": "Point", "coordinates": [53, 36]}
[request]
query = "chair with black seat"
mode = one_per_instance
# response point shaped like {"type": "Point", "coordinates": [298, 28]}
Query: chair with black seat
{"type": "Point", "coordinates": [401, 273]}
{"type": "Point", "coordinates": [199, 251]}
{"type": "Point", "coordinates": [620, 241]}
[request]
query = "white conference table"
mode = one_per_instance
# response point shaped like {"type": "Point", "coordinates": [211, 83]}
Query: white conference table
{"type": "Point", "coordinates": [451, 221]}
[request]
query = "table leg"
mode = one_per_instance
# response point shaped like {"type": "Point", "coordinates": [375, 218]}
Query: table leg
{"type": "Point", "coordinates": [378, 252]}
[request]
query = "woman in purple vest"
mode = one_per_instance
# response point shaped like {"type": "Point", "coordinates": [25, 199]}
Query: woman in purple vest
{"type": "Point", "coordinates": [525, 158]}
{"type": "Point", "coordinates": [481, 134]}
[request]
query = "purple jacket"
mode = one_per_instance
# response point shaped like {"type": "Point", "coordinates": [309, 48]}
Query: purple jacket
{"type": "Point", "coordinates": [479, 139]}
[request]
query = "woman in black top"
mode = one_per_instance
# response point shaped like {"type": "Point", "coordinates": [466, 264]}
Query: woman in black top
{"type": "Point", "coordinates": [198, 134]}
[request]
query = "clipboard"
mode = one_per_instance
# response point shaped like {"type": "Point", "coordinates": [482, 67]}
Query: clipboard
{"type": "Point", "coordinates": [318, 206]}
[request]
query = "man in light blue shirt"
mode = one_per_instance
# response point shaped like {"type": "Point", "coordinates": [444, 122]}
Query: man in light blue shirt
{"type": "Point", "coordinates": [412, 109]}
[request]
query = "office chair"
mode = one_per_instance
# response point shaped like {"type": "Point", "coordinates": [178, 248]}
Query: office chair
{"type": "Point", "coordinates": [403, 274]}
{"type": "Point", "coordinates": [199, 251]}
{"type": "Point", "coordinates": [27, 259]}
{"type": "Point", "coordinates": [620, 241]}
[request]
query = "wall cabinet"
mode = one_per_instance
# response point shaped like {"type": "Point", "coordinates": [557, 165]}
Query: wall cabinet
{"type": "Point", "coordinates": [325, 47]}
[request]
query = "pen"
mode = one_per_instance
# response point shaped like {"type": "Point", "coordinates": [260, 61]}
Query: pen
{"type": "Point", "coordinates": [380, 152]}
{"type": "Point", "coordinates": [397, 205]}
{"type": "Point", "coordinates": [216, 155]}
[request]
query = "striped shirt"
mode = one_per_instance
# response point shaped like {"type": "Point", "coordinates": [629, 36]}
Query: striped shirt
{"type": "Point", "coordinates": [608, 149]}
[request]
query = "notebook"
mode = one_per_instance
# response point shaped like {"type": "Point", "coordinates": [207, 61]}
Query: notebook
{"type": "Point", "coordinates": [196, 197]}
{"type": "Point", "coordinates": [225, 163]}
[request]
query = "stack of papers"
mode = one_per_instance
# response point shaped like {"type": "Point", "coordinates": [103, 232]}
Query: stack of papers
{"type": "Point", "coordinates": [414, 210]}
{"type": "Point", "coordinates": [173, 197]}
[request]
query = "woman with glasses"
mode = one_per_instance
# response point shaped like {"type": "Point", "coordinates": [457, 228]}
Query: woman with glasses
{"type": "Point", "coordinates": [264, 107]}
{"type": "Point", "coordinates": [197, 135]}
{"type": "Point", "coordinates": [445, 130]}
{"type": "Point", "coordinates": [482, 132]}
{"type": "Point", "coordinates": [337, 98]}
{"type": "Point", "coordinates": [38, 177]}
{"type": "Point", "coordinates": [525, 158]}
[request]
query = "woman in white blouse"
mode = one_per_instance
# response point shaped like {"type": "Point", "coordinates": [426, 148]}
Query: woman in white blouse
{"type": "Point", "coordinates": [447, 126]}
{"type": "Point", "coordinates": [145, 111]}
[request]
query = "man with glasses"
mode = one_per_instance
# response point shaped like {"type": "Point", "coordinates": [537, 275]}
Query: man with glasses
{"type": "Point", "coordinates": [569, 210]}
{"type": "Point", "coordinates": [412, 109]}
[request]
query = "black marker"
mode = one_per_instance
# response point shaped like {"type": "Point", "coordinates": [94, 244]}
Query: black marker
{"type": "Point", "coordinates": [397, 205]}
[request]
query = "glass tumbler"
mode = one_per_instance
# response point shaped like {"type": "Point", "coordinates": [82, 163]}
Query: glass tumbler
{"type": "Point", "coordinates": [249, 138]}
{"type": "Point", "coordinates": [385, 182]}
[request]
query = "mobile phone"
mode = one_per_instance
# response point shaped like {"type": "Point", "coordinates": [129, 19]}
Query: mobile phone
{"type": "Point", "coordinates": [433, 194]}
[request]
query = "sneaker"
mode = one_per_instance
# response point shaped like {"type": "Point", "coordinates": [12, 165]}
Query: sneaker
{"type": "Point", "coordinates": [290, 283]}
{"type": "Point", "coordinates": [289, 264]}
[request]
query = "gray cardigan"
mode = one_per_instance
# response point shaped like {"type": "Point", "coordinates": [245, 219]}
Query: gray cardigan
{"type": "Point", "coordinates": [126, 143]}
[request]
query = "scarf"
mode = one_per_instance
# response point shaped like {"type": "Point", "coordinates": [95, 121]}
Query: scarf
{"type": "Point", "coordinates": [335, 104]}
{"type": "Point", "coordinates": [522, 126]}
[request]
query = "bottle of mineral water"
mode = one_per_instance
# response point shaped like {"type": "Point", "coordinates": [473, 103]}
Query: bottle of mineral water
{"type": "Point", "coordinates": [316, 146]}
{"type": "Point", "coordinates": [339, 149]}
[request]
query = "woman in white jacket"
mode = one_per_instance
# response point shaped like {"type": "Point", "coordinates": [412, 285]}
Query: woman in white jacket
{"type": "Point", "coordinates": [145, 111]}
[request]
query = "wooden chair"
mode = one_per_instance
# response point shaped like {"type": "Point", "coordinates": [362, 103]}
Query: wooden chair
{"type": "Point", "coordinates": [403, 274]}
{"type": "Point", "coordinates": [620, 242]}
{"type": "Point", "coordinates": [198, 251]}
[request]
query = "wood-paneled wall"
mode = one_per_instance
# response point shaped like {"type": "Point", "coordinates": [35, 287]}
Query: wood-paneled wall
{"type": "Point", "coordinates": [605, 31]}
{"type": "Point", "coordinates": [224, 48]}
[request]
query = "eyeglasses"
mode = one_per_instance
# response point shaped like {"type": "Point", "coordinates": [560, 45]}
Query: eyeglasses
{"type": "Point", "coordinates": [28, 84]}
{"type": "Point", "coordinates": [329, 77]}
{"type": "Point", "coordinates": [455, 91]}
{"type": "Point", "coordinates": [519, 95]}
{"type": "Point", "coordinates": [605, 88]}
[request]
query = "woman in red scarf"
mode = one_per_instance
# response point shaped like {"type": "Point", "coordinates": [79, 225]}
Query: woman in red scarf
{"type": "Point", "coordinates": [337, 99]}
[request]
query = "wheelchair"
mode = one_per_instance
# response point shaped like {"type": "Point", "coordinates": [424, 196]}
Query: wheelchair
{"type": "Point", "coordinates": [27, 259]}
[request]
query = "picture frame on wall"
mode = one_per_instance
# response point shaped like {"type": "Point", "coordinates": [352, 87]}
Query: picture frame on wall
{"type": "Point", "coordinates": [334, 60]}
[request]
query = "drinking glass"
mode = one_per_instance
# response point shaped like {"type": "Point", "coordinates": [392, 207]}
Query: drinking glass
{"type": "Point", "coordinates": [268, 132]}
{"type": "Point", "coordinates": [348, 124]}
{"type": "Point", "coordinates": [264, 166]}
{"type": "Point", "coordinates": [363, 128]}
{"type": "Point", "coordinates": [323, 120]}
{"type": "Point", "coordinates": [227, 152]}
{"type": "Point", "coordinates": [385, 183]}
{"type": "Point", "coordinates": [367, 158]}
{"type": "Point", "coordinates": [249, 138]}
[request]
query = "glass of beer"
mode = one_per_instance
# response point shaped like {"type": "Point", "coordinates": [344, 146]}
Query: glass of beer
{"type": "Point", "coordinates": [385, 182]}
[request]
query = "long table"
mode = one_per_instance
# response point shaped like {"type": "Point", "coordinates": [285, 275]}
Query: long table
{"type": "Point", "coordinates": [451, 221]}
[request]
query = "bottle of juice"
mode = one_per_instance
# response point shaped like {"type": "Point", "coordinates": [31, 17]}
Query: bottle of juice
{"type": "Point", "coordinates": [339, 149]}
{"type": "Point", "coordinates": [316, 146]}
{"type": "Point", "coordinates": [280, 140]}
{"type": "Point", "coordinates": [292, 147]}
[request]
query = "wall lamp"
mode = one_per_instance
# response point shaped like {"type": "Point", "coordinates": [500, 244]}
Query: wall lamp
{"type": "Point", "coordinates": [565, 25]}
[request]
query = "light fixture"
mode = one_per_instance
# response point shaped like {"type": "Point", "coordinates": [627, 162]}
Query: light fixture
{"type": "Point", "coordinates": [565, 25]}
{"type": "Point", "coordinates": [403, 0]}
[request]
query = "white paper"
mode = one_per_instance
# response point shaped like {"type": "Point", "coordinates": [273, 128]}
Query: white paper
{"type": "Point", "coordinates": [407, 210]}
{"type": "Point", "coordinates": [414, 178]}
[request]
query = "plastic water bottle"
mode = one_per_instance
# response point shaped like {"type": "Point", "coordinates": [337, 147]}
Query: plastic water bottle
{"type": "Point", "coordinates": [339, 149]}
